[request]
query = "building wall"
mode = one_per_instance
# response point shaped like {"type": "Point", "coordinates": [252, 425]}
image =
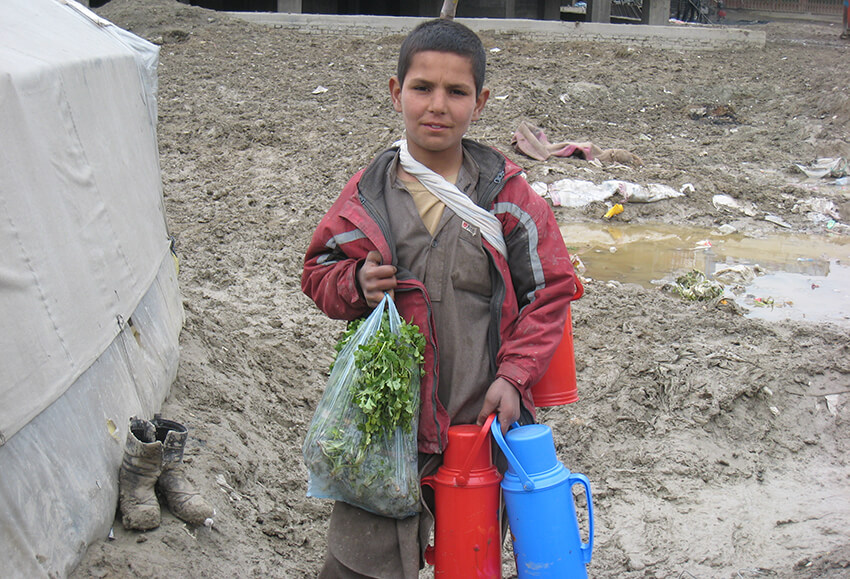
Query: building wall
{"type": "Point", "coordinates": [535, 9]}
{"type": "Point", "coordinates": [659, 37]}
{"type": "Point", "coordinates": [790, 6]}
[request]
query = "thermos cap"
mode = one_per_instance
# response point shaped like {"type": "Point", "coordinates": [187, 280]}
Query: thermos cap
{"type": "Point", "coordinates": [534, 448]}
{"type": "Point", "coordinates": [462, 438]}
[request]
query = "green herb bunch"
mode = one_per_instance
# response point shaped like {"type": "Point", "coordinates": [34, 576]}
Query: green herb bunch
{"type": "Point", "coordinates": [387, 362]}
{"type": "Point", "coordinates": [361, 445]}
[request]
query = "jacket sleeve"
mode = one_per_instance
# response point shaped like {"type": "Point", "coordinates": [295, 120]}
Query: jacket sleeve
{"type": "Point", "coordinates": [336, 251]}
{"type": "Point", "coordinates": [544, 282]}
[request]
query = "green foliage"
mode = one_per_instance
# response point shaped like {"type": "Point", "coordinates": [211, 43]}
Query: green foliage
{"type": "Point", "coordinates": [386, 365]}
{"type": "Point", "coordinates": [361, 445]}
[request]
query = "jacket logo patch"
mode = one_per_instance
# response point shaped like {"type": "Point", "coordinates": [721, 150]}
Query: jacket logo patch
{"type": "Point", "coordinates": [469, 228]}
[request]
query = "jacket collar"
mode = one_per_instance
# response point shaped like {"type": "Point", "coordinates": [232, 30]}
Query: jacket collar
{"type": "Point", "coordinates": [490, 164]}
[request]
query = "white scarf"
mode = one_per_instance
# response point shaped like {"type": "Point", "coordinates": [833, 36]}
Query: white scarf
{"type": "Point", "coordinates": [454, 198]}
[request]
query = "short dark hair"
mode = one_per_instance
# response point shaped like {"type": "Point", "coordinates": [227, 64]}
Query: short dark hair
{"type": "Point", "coordinates": [444, 35]}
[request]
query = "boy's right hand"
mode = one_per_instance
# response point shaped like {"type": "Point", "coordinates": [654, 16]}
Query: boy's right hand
{"type": "Point", "coordinates": [375, 279]}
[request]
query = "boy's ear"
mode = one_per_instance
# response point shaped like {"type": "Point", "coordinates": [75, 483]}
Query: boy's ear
{"type": "Point", "coordinates": [395, 93]}
{"type": "Point", "coordinates": [479, 103]}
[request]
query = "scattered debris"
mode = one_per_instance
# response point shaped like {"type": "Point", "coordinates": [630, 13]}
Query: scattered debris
{"type": "Point", "coordinates": [730, 306]}
{"type": "Point", "coordinates": [615, 210]}
{"type": "Point", "coordinates": [826, 167]}
{"type": "Point", "coordinates": [634, 193]}
{"type": "Point", "coordinates": [832, 403]}
{"type": "Point", "coordinates": [819, 209]}
{"type": "Point", "coordinates": [720, 114]}
{"type": "Point", "coordinates": [694, 286]}
{"type": "Point", "coordinates": [578, 264]}
{"type": "Point", "coordinates": [571, 192]}
{"type": "Point", "coordinates": [530, 140]}
{"type": "Point", "coordinates": [231, 492]}
{"type": "Point", "coordinates": [777, 221]}
{"type": "Point", "coordinates": [319, 90]}
{"type": "Point", "coordinates": [738, 274]}
{"type": "Point", "coordinates": [729, 202]}
{"type": "Point", "coordinates": [767, 302]}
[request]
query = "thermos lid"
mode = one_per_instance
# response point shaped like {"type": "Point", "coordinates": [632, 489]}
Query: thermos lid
{"type": "Point", "coordinates": [534, 448]}
{"type": "Point", "coordinates": [462, 439]}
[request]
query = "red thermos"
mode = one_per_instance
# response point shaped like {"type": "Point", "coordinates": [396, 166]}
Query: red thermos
{"type": "Point", "coordinates": [467, 526]}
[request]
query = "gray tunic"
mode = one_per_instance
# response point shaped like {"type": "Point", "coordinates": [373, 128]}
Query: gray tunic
{"type": "Point", "coordinates": [455, 268]}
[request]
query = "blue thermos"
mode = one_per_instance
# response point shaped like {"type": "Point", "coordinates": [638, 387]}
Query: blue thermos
{"type": "Point", "coordinates": [540, 507]}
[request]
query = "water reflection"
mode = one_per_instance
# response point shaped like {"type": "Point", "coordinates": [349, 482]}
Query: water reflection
{"type": "Point", "coordinates": [805, 277]}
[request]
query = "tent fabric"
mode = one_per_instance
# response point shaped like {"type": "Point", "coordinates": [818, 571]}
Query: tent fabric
{"type": "Point", "coordinates": [59, 474]}
{"type": "Point", "coordinates": [82, 225]}
{"type": "Point", "coordinates": [89, 303]}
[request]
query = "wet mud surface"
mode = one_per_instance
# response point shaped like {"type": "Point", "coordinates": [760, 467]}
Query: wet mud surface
{"type": "Point", "coordinates": [716, 444]}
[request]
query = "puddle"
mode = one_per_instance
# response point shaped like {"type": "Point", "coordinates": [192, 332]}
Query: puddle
{"type": "Point", "coordinates": [805, 277]}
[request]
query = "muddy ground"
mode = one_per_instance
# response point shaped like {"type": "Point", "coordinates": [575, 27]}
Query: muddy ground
{"type": "Point", "coordinates": [708, 437]}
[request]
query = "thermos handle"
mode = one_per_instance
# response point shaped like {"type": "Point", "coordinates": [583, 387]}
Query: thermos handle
{"type": "Point", "coordinates": [496, 429]}
{"type": "Point", "coordinates": [463, 477]}
{"type": "Point", "coordinates": [579, 289]}
{"type": "Point", "coordinates": [586, 548]}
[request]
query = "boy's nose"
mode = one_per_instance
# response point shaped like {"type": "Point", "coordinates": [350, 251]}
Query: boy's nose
{"type": "Point", "coordinates": [438, 101]}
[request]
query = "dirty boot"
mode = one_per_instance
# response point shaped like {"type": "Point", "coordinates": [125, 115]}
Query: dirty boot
{"type": "Point", "coordinates": [140, 468]}
{"type": "Point", "coordinates": [183, 500]}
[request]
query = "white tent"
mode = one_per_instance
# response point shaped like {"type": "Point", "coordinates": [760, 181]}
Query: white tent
{"type": "Point", "coordinates": [89, 303]}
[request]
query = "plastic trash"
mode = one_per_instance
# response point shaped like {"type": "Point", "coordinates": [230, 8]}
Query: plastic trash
{"type": "Point", "coordinates": [826, 167]}
{"type": "Point", "coordinates": [727, 229]}
{"type": "Point", "coordinates": [615, 210]}
{"type": "Point", "coordinates": [777, 221]}
{"type": "Point", "coordinates": [694, 286]}
{"type": "Point", "coordinates": [821, 206]}
{"type": "Point", "coordinates": [728, 202]}
{"type": "Point", "coordinates": [571, 192]}
{"type": "Point", "coordinates": [634, 193]}
{"type": "Point", "coordinates": [739, 274]}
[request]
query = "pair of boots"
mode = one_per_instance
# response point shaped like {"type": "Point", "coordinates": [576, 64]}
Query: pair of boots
{"type": "Point", "coordinates": [153, 459]}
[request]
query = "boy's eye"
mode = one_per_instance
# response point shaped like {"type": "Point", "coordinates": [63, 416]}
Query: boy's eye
{"type": "Point", "coordinates": [459, 92]}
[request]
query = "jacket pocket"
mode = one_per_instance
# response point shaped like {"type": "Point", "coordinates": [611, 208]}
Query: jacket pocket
{"type": "Point", "coordinates": [471, 269]}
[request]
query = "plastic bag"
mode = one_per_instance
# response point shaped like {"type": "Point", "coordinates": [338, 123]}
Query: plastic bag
{"type": "Point", "coordinates": [379, 473]}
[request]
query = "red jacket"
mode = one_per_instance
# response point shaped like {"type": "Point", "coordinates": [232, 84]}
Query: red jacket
{"type": "Point", "coordinates": [533, 286]}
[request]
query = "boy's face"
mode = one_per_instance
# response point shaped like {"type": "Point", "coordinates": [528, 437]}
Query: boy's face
{"type": "Point", "coordinates": [438, 103]}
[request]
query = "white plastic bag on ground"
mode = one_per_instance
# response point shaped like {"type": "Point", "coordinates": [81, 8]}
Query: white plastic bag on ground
{"type": "Point", "coordinates": [634, 193]}
{"type": "Point", "coordinates": [572, 192]}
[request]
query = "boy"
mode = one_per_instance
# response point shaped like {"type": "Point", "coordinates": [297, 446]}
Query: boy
{"type": "Point", "coordinates": [489, 290]}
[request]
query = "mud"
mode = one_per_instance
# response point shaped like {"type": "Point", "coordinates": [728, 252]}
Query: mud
{"type": "Point", "coordinates": [716, 445]}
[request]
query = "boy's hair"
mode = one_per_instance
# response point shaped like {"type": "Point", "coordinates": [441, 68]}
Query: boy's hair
{"type": "Point", "coordinates": [443, 35]}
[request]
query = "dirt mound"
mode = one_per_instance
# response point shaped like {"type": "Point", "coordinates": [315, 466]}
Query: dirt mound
{"type": "Point", "coordinates": [715, 444]}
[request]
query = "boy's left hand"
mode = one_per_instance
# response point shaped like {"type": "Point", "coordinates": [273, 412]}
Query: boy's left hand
{"type": "Point", "coordinates": [503, 398]}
